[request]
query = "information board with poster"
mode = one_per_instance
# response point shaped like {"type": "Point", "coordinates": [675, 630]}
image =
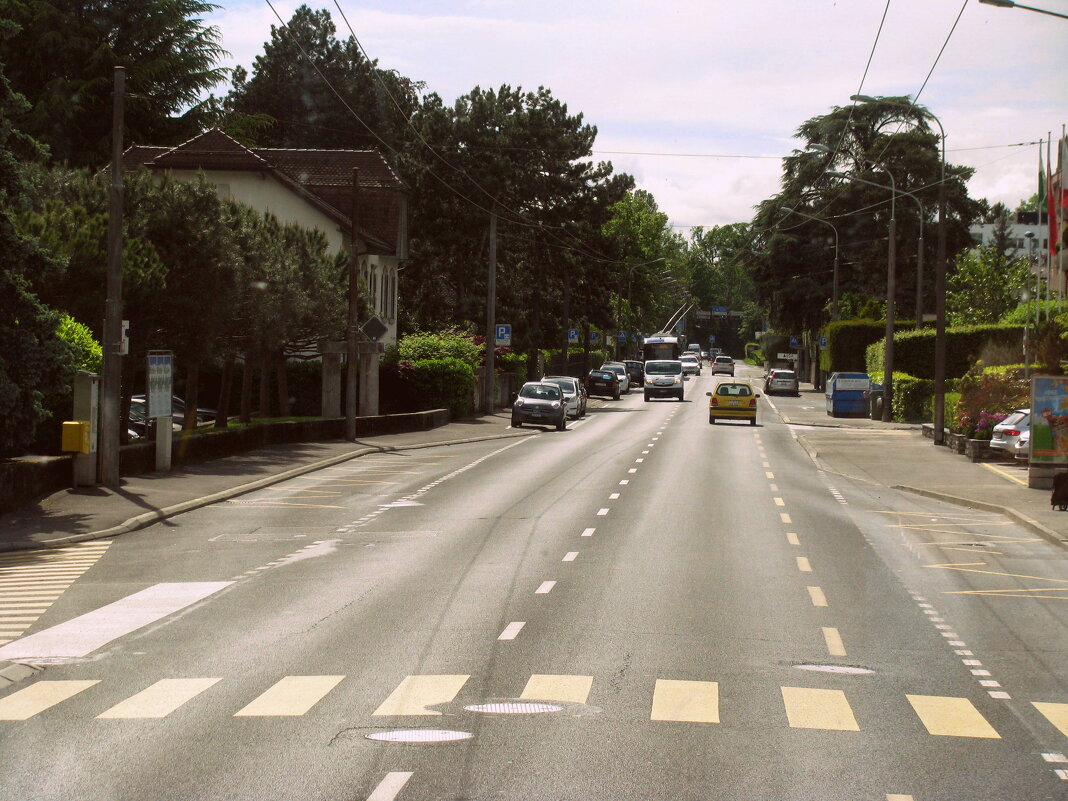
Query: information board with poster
{"type": "Point", "coordinates": [1049, 420]}
{"type": "Point", "coordinates": [160, 383]}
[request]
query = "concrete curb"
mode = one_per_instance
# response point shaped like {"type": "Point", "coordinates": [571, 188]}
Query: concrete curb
{"type": "Point", "coordinates": [1014, 515]}
{"type": "Point", "coordinates": [148, 518]}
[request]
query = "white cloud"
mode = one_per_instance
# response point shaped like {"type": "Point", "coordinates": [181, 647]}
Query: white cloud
{"type": "Point", "coordinates": [723, 76]}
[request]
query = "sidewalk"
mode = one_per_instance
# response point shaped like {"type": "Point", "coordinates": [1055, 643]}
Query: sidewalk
{"type": "Point", "coordinates": [86, 513]}
{"type": "Point", "coordinates": [896, 455]}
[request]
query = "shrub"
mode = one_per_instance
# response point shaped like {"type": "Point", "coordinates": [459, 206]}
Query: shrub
{"type": "Point", "coordinates": [444, 383]}
{"type": "Point", "coordinates": [89, 354]}
{"type": "Point", "coordinates": [912, 397]}
{"type": "Point", "coordinates": [432, 346]}
{"type": "Point", "coordinates": [846, 344]}
{"type": "Point", "coordinates": [990, 394]}
{"type": "Point", "coordinates": [914, 350]}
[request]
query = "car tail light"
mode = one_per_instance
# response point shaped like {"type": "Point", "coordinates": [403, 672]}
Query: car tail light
{"type": "Point", "coordinates": [752, 402]}
{"type": "Point", "coordinates": [1011, 432]}
{"type": "Point", "coordinates": [714, 402]}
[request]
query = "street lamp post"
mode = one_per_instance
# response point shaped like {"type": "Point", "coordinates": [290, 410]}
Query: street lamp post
{"type": "Point", "coordinates": [891, 289]}
{"type": "Point", "coordinates": [940, 278]}
{"type": "Point", "coordinates": [834, 281]}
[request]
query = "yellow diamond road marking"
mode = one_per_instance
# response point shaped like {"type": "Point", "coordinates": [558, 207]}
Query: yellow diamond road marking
{"type": "Point", "coordinates": [38, 697]}
{"type": "Point", "coordinates": [548, 687]}
{"type": "Point", "coordinates": [686, 701]}
{"type": "Point", "coordinates": [791, 537]}
{"type": "Point", "coordinates": [803, 564]}
{"type": "Point", "coordinates": [807, 708]}
{"type": "Point", "coordinates": [159, 700]}
{"type": "Point", "coordinates": [817, 596]}
{"type": "Point", "coordinates": [1057, 714]}
{"type": "Point", "coordinates": [292, 696]}
{"type": "Point", "coordinates": [951, 717]}
{"type": "Point", "coordinates": [415, 693]}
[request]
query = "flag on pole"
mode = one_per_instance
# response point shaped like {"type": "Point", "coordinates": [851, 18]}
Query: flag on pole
{"type": "Point", "coordinates": [1051, 204]}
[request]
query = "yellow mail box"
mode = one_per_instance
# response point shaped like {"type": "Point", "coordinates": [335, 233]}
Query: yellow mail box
{"type": "Point", "coordinates": [76, 436]}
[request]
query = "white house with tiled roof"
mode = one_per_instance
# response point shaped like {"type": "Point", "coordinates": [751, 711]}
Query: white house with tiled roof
{"type": "Point", "coordinates": [312, 188]}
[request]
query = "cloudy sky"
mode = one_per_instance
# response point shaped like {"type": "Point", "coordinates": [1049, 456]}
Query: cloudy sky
{"type": "Point", "coordinates": [698, 99]}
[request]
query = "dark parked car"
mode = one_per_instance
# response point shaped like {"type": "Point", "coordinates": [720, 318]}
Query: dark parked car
{"type": "Point", "coordinates": [604, 383]}
{"type": "Point", "coordinates": [636, 371]}
{"type": "Point", "coordinates": [540, 402]}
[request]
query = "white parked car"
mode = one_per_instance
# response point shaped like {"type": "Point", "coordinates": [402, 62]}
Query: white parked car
{"type": "Point", "coordinates": [1008, 431]}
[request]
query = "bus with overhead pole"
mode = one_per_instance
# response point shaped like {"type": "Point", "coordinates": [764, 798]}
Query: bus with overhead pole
{"type": "Point", "coordinates": [662, 346]}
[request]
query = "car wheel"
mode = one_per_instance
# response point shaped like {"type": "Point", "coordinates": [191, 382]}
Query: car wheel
{"type": "Point", "coordinates": [646, 397]}
{"type": "Point", "coordinates": [561, 425]}
{"type": "Point", "coordinates": [516, 423]}
{"type": "Point", "coordinates": [752, 422]}
{"type": "Point", "coordinates": [616, 396]}
{"type": "Point", "coordinates": [711, 420]}
{"type": "Point", "coordinates": [680, 397]}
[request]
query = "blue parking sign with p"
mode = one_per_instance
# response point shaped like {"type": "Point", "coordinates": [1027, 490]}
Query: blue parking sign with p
{"type": "Point", "coordinates": [504, 335]}
{"type": "Point", "coordinates": [572, 335]}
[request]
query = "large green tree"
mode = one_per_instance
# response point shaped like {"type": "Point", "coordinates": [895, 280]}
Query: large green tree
{"type": "Point", "coordinates": [524, 153]}
{"type": "Point", "coordinates": [289, 100]}
{"type": "Point", "coordinates": [985, 286]}
{"type": "Point", "coordinates": [794, 275]}
{"type": "Point", "coordinates": [35, 362]}
{"type": "Point", "coordinates": [63, 54]}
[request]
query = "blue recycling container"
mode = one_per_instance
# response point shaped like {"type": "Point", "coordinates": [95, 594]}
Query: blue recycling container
{"type": "Point", "coordinates": [847, 394]}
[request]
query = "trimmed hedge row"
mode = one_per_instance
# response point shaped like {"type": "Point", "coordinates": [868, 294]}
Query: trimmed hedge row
{"type": "Point", "coordinates": [847, 341]}
{"type": "Point", "coordinates": [445, 383]}
{"type": "Point", "coordinates": [914, 351]}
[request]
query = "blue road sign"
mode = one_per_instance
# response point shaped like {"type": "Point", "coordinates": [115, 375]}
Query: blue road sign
{"type": "Point", "coordinates": [793, 342]}
{"type": "Point", "coordinates": [594, 336]}
{"type": "Point", "coordinates": [621, 336]}
{"type": "Point", "coordinates": [711, 338]}
{"type": "Point", "coordinates": [823, 343]}
{"type": "Point", "coordinates": [504, 335]}
{"type": "Point", "coordinates": [572, 336]}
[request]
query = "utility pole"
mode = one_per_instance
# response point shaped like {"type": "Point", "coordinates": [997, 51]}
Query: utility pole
{"type": "Point", "coordinates": [891, 290]}
{"type": "Point", "coordinates": [112, 381]}
{"type": "Point", "coordinates": [351, 358]}
{"type": "Point", "coordinates": [940, 310]}
{"type": "Point", "coordinates": [491, 312]}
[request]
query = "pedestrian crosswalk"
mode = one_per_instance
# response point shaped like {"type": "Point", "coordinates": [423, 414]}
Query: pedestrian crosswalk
{"type": "Point", "coordinates": [31, 581]}
{"type": "Point", "coordinates": [679, 701]}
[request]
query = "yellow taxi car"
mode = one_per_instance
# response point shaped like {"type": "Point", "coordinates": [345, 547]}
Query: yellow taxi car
{"type": "Point", "coordinates": [732, 400]}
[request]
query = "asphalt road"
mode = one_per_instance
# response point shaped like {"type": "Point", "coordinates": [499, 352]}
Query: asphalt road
{"type": "Point", "coordinates": [653, 608]}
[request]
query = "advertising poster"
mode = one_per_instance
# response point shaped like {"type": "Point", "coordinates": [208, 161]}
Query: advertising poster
{"type": "Point", "coordinates": [1049, 420]}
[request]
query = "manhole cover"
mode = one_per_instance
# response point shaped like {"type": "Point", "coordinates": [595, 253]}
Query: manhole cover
{"type": "Point", "coordinates": [513, 708]}
{"type": "Point", "coordinates": [850, 669]}
{"type": "Point", "coordinates": [419, 736]}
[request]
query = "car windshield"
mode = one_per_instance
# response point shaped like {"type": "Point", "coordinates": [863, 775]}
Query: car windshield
{"type": "Point", "coordinates": [739, 390]}
{"type": "Point", "coordinates": [540, 392]}
{"type": "Point", "coordinates": [724, 360]}
{"type": "Point", "coordinates": [566, 384]}
{"type": "Point", "coordinates": [663, 368]}
{"type": "Point", "coordinates": [784, 374]}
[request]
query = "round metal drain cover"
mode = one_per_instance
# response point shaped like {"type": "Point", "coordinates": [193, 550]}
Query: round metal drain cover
{"type": "Point", "coordinates": [850, 669]}
{"type": "Point", "coordinates": [419, 736]}
{"type": "Point", "coordinates": [512, 708]}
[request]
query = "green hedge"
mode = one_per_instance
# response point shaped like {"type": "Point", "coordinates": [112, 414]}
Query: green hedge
{"type": "Point", "coordinates": [912, 397]}
{"type": "Point", "coordinates": [914, 350]}
{"type": "Point", "coordinates": [445, 383]}
{"type": "Point", "coordinates": [846, 344]}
